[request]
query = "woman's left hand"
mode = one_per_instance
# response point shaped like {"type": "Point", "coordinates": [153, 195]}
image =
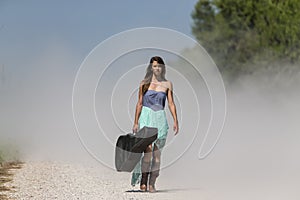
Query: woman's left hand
{"type": "Point", "coordinates": [175, 128]}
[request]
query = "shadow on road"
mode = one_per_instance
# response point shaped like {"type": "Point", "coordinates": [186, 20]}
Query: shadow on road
{"type": "Point", "coordinates": [166, 190]}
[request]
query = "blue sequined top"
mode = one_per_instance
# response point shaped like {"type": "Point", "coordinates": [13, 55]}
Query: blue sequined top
{"type": "Point", "coordinates": [154, 99]}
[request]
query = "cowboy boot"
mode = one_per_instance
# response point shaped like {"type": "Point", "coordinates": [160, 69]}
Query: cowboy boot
{"type": "Point", "coordinates": [145, 174]}
{"type": "Point", "coordinates": [153, 175]}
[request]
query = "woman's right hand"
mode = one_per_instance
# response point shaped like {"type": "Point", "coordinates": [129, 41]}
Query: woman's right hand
{"type": "Point", "coordinates": [135, 128]}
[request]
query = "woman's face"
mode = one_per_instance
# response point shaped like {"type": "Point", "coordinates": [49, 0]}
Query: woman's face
{"type": "Point", "coordinates": [156, 68]}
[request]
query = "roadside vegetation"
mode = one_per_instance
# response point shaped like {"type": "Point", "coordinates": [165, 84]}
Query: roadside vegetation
{"type": "Point", "coordinates": [250, 37]}
{"type": "Point", "coordinates": [9, 160]}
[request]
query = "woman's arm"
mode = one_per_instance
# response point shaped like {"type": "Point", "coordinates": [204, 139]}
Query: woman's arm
{"type": "Point", "coordinates": [138, 109]}
{"type": "Point", "coordinates": [172, 107]}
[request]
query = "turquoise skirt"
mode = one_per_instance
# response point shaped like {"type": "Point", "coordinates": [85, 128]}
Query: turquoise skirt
{"type": "Point", "coordinates": [156, 119]}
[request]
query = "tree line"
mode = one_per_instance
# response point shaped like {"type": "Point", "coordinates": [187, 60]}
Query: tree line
{"type": "Point", "coordinates": [245, 36]}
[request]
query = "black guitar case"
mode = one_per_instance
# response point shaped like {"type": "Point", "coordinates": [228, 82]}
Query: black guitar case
{"type": "Point", "coordinates": [130, 148]}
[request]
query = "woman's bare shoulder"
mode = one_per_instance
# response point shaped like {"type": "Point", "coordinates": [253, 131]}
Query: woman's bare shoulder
{"type": "Point", "coordinates": [169, 84]}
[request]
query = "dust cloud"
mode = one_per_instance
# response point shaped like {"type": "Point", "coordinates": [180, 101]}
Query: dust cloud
{"type": "Point", "coordinates": [256, 157]}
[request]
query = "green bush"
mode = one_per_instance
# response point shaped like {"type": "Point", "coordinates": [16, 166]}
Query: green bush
{"type": "Point", "coordinates": [245, 36]}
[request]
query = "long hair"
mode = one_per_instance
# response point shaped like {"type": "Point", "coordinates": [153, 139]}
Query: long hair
{"type": "Point", "coordinates": [149, 72]}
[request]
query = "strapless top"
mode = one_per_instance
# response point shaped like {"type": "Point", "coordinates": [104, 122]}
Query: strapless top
{"type": "Point", "coordinates": [154, 99]}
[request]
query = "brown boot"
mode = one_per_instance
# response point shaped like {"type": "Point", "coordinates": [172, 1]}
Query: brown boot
{"type": "Point", "coordinates": [153, 175]}
{"type": "Point", "coordinates": [144, 181]}
{"type": "Point", "coordinates": [145, 174]}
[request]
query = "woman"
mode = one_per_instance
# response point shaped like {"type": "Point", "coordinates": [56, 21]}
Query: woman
{"type": "Point", "coordinates": [153, 91]}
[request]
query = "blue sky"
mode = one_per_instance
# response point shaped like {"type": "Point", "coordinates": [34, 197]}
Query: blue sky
{"type": "Point", "coordinates": [29, 28]}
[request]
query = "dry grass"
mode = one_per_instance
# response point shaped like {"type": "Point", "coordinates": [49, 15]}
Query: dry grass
{"type": "Point", "coordinates": [6, 175]}
{"type": "Point", "coordinates": [3, 197]}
